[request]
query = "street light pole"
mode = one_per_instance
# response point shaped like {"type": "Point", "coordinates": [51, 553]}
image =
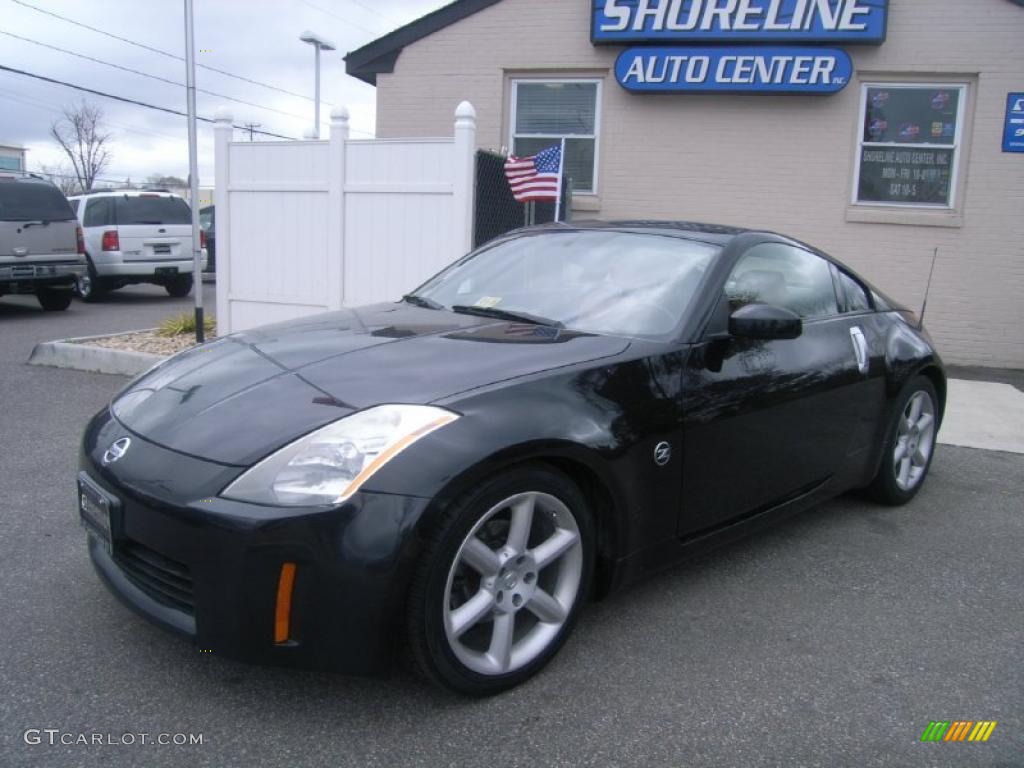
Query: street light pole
{"type": "Point", "coordinates": [319, 43]}
{"type": "Point", "coordinates": [193, 170]}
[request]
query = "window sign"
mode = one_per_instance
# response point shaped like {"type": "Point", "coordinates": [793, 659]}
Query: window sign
{"type": "Point", "coordinates": [909, 144]}
{"type": "Point", "coordinates": [1013, 133]}
{"type": "Point", "coordinates": [739, 21]}
{"type": "Point", "coordinates": [776, 69]}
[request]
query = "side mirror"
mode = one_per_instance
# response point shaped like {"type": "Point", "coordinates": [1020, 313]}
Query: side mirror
{"type": "Point", "coordinates": [765, 321]}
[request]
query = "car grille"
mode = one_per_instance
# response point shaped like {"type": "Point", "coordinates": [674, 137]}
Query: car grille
{"type": "Point", "coordinates": [165, 580]}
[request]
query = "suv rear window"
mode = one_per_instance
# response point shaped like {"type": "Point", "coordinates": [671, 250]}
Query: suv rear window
{"type": "Point", "coordinates": [152, 210]}
{"type": "Point", "coordinates": [31, 201]}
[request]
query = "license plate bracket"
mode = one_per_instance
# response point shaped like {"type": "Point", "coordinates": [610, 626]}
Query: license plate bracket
{"type": "Point", "coordinates": [166, 271]}
{"type": "Point", "coordinates": [96, 511]}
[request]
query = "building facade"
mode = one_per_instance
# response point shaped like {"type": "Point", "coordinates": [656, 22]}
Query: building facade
{"type": "Point", "coordinates": [903, 149]}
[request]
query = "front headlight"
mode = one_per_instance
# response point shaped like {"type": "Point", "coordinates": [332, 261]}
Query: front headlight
{"type": "Point", "coordinates": [329, 465]}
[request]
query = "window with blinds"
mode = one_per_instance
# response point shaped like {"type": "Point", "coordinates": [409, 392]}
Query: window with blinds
{"type": "Point", "coordinates": [546, 111]}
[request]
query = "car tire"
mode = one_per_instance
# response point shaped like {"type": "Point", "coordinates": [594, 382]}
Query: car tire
{"type": "Point", "coordinates": [909, 445]}
{"type": "Point", "coordinates": [89, 287]}
{"type": "Point", "coordinates": [484, 628]}
{"type": "Point", "coordinates": [53, 300]}
{"type": "Point", "coordinates": [179, 286]}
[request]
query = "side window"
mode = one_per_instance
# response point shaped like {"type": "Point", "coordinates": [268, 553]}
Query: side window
{"type": "Point", "coordinates": [856, 297]}
{"type": "Point", "coordinates": [784, 276]}
{"type": "Point", "coordinates": [98, 213]}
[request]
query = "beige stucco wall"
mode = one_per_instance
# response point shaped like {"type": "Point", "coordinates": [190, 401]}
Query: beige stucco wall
{"type": "Point", "coordinates": [778, 162]}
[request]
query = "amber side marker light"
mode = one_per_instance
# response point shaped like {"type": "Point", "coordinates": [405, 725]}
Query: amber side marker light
{"type": "Point", "coordinates": [283, 609]}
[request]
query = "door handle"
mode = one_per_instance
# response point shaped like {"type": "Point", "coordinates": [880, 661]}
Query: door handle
{"type": "Point", "coordinates": [860, 348]}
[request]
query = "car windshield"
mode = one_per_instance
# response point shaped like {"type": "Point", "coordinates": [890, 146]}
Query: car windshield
{"type": "Point", "coordinates": [32, 201]}
{"type": "Point", "coordinates": [618, 283]}
{"type": "Point", "coordinates": [152, 209]}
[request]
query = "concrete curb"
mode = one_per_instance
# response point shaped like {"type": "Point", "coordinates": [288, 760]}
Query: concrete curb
{"type": "Point", "coordinates": [72, 353]}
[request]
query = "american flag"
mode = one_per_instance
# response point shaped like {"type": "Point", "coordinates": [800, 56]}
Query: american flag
{"type": "Point", "coordinates": [536, 177]}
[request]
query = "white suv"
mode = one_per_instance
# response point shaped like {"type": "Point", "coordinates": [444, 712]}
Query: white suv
{"type": "Point", "coordinates": [135, 236]}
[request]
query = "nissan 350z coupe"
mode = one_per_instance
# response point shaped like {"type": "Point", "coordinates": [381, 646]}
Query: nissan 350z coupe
{"type": "Point", "coordinates": [452, 475]}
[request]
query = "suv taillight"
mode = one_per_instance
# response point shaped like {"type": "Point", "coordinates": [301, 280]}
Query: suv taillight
{"type": "Point", "coordinates": [81, 239]}
{"type": "Point", "coordinates": [202, 238]}
{"type": "Point", "coordinates": [110, 241]}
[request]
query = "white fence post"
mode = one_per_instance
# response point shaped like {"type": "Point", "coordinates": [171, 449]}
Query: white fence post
{"type": "Point", "coordinates": [222, 131]}
{"type": "Point", "coordinates": [464, 176]}
{"type": "Point", "coordinates": [336, 208]}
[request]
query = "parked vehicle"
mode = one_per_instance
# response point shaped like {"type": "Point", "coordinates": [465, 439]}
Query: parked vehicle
{"type": "Point", "coordinates": [41, 249]}
{"type": "Point", "coordinates": [553, 415]}
{"type": "Point", "coordinates": [208, 223]}
{"type": "Point", "coordinates": [134, 236]}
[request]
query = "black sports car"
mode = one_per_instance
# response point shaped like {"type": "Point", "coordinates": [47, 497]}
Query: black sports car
{"type": "Point", "coordinates": [454, 474]}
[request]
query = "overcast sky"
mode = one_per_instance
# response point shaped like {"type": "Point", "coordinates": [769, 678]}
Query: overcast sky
{"type": "Point", "coordinates": [256, 39]}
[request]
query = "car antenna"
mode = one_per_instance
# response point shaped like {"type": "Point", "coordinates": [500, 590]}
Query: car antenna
{"type": "Point", "coordinates": [927, 289]}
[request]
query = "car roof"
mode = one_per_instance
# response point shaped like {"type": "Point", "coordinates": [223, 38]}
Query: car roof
{"type": "Point", "coordinates": [716, 234]}
{"type": "Point", "coordinates": [24, 178]}
{"type": "Point", "coordinates": [124, 193]}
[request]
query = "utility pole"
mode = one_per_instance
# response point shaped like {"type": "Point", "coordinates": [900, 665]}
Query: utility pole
{"type": "Point", "coordinates": [193, 170]}
{"type": "Point", "coordinates": [251, 128]}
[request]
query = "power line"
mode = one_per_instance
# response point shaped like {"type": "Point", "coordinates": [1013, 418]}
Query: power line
{"type": "Point", "coordinates": [124, 99]}
{"type": "Point", "coordinates": [150, 76]}
{"type": "Point", "coordinates": [161, 51]}
{"type": "Point", "coordinates": [339, 18]}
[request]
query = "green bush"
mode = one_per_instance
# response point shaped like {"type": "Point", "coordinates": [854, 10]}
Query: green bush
{"type": "Point", "coordinates": [185, 323]}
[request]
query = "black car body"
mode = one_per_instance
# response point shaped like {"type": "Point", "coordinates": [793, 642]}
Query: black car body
{"type": "Point", "coordinates": [677, 442]}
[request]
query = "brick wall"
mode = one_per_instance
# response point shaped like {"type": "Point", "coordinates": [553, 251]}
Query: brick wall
{"type": "Point", "coordinates": [774, 161]}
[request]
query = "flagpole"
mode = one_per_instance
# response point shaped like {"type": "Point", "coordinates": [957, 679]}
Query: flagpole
{"type": "Point", "coordinates": [561, 173]}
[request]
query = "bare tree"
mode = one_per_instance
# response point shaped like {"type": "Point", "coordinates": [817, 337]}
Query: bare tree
{"type": "Point", "coordinates": [60, 175]}
{"type": "Point", "coordinates": [82, 136]}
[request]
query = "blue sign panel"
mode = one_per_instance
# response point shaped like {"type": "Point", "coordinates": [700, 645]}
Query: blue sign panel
{"type": "Point", "coordinates": [1013, 132]}
{"type": "Point", "coordinates": [746, 21]}
{"type": "Point", "coordinates": [786, 69]}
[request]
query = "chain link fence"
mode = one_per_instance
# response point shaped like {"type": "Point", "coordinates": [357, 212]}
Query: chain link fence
{"type": "Point", "coordinates": [496, 210]}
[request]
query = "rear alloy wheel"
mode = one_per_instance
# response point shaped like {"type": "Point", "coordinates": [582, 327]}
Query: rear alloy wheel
{"type": "Point", "coordinates": [53, 300]}
{"type": "Point", "coordinates": [89, 287]}
{"type": "Point", "coordinates": [909, 446]}
{"type": "Point", "coordinates": [501, 585]}
{"type": "Point", "coordinates": [179, 286]}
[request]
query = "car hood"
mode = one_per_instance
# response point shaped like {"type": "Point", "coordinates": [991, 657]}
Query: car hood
{"type": "Point", "coordinates": [241, 397]}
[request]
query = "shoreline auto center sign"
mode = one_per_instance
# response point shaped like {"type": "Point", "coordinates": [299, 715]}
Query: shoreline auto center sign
{"type": "Point", "coordinates": [796, 68]}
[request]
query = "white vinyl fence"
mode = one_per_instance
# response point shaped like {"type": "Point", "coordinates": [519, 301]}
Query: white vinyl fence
{"type": "Point", "coordinates": [311, 226]}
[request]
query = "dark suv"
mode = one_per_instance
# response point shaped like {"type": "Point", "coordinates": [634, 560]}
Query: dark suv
{"type": "Point", "coordinates": [41, 246]}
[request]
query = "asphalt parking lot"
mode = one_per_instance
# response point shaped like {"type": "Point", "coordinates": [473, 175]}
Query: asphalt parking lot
{"type": "Point", "coordinates": [831, 640]}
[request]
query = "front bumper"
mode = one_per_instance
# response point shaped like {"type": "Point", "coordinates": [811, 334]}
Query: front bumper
{"type": "Point", "coordinates": [208, 568]}
{"type": "Point", "coordinates": [18, 278]}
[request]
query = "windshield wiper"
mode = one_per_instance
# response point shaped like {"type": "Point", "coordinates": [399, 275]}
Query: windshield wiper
{"type": "Point", "coordinates": [36, 223]}
{"type": "Point", "coordinates": [421, 301]}
{"type": "Point", "coordinates": [506, 314]}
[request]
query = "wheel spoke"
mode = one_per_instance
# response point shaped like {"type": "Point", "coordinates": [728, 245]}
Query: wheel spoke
{"type": "Point", "coordinates": [500, 649]}
{"type": "Point", "coordinates": [480, 557]}
{"type": "Point", "coordinates": [546, 608]}
{"type": "Point", "coordinates": [519, 527]}
{"type": "Point", "coordinates": [915, 408]}
{"type": "Point", "coordinates": [471, 612]}
{"type": "Point", "coordinates": [553, 547]}
{"type": "Point", "coordinates": [925, 422]}
{"type": "Point", "coordinates": [901, 450]}
{"type": "Point", "coordinates": [904, 473]}
{"type": "Point", "coordinates": [919, 459]}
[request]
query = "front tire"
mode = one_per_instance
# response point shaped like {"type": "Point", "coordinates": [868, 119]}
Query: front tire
{"type": "Point", "coordinates": [179, 287]}
{"type": "Point", "coordinates": [501, 581]}
{"type": "Point", "coordinates": [52, 300]}
{"type": "Point", "coordinates": [909, 446]}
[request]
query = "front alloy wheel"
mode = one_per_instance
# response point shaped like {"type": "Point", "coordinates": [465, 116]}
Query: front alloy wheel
{"type": "Point", "coordinates": [499, 594]}
{"type": "Point", "coordinates": [910, 444]}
